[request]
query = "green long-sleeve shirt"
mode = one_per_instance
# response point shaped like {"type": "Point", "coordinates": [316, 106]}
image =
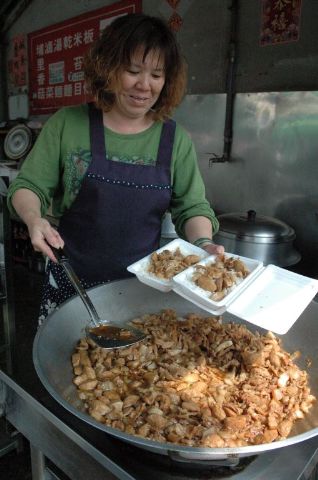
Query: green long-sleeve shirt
{"type": "Point", "coordinates": [56, 165]}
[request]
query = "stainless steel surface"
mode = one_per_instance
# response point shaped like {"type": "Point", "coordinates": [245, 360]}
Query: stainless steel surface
{"type": "Point", "coordinates": [104, 332]}
{"type": "Point", "coordinates": [273, 169]}
{"type": "Point", "coordinates": [127, 299]}
{"type": "Point", "coordinates": [257, 236]}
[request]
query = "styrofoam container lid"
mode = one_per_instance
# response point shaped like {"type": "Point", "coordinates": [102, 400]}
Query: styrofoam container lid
{"type": "Point", "coordinates": [275, 299]}
{"type": "Point", "coordinates": [140, 268]}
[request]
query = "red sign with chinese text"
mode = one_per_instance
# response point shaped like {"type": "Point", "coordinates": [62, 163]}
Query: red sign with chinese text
{"type": "Point", "coordinates": [56, 53]}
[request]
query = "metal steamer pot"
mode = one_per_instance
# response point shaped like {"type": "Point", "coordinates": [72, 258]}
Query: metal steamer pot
{"type": "Point", "coordinates": [126, 299]}
{"type": "Point", "coordinates": [255, 236]}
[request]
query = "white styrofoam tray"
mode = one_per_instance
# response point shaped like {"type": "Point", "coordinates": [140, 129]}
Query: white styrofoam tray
{"type": "Point", "coordinates": [140, 268]}
{"type": "Point", "coordinates": [184, 285]}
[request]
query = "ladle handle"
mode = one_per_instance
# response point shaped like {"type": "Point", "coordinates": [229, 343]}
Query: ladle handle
{"type": "Point", "coordinates": [64, 262]}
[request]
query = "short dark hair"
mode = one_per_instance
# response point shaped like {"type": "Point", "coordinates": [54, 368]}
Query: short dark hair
{"type": "Point", "coordinates": [113, 51]}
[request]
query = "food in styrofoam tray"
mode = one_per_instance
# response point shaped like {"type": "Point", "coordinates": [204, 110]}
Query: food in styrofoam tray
{"type": "Point", "coordinates": [166, 264]}
{"type": "Point", "coordinates": [220, 276]}
{"type": "Point", "coordinates": [184, 283]}
{"type": "Point", "coordinates": [158, 268]}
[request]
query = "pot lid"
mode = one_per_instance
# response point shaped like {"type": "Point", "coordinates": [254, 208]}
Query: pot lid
{"type": "Point", "coordinates": [18, 142]}
{"type": "Point", "coordinates": [250, 226]}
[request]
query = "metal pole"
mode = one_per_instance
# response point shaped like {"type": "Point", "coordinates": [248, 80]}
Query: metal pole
{"type": "Point", "coordinates": [37, 464]}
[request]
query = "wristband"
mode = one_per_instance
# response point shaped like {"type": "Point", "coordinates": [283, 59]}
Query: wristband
{"type": "Point", "coordinates": [202, 241]}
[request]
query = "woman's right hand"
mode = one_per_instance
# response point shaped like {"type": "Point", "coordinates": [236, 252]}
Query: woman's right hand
{"type": "Point", "coordinates": [42, 235]}
{"type": "Point", "coordinates": [27, 205]}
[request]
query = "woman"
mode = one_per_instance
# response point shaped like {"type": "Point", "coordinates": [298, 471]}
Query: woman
{"type": "Point", "coordinates": [112, 168]}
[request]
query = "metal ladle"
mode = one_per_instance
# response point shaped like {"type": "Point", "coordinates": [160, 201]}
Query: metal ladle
{"type": "Point", "coordinates": [103, 332]}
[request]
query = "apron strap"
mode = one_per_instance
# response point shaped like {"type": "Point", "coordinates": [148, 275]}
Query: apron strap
{"type": "Point", "coordinates": [96, 133]}
{"type": "Point", "coordinates": [166, 143]}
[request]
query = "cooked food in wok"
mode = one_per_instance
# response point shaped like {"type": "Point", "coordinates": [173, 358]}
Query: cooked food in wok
{"type": "Point", "coordinates": [194, 381]}
{"type": "Point", "coordinates": [221, 276]}
{"type": "Point", "coordinates": [167, 264]}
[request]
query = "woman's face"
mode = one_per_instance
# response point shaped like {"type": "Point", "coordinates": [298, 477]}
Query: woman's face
{"type": "Point", "coordinates": [140, 85]}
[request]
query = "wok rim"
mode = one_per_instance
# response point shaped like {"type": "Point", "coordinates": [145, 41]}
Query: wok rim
{"type": "Point", "coordinates": [194, 453]}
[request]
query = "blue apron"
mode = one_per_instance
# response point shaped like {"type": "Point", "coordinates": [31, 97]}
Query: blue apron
{"type": "Point", "coordinates": [115, 219]}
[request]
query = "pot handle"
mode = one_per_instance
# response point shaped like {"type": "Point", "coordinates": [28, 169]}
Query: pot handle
{"type": "Point", "coordinates": [60, 255]}
{"type": "Point", "coordinates": [251, 215]}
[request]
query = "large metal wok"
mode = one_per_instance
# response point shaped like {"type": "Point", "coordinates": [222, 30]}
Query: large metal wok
{"type": "Point", "coordinates": [126, 299]}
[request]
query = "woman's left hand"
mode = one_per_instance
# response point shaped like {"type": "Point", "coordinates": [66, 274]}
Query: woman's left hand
{"type": "Point", "coordinates": [213, 249]}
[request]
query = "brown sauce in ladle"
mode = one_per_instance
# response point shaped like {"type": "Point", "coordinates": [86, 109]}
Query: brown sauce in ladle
{"type": "Point", "coordinates": [110, 332]}
{"type": "Point", "coordinates": [105, 335]}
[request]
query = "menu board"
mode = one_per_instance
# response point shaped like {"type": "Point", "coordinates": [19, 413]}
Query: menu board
{"type": "Point", "coordinates": [56, 53]}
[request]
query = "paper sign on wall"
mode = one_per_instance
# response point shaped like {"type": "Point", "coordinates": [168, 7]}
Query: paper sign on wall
{"type": "Point", "coordinates": [280, 22]}
{"type": "Point", "coordinates": [17, 62]}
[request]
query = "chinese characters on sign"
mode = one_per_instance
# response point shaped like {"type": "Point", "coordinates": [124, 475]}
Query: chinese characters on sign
{"type": "Point", "coordinates": [56, 53]}
{"type": "Point", "coordinates": [280, 21]}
